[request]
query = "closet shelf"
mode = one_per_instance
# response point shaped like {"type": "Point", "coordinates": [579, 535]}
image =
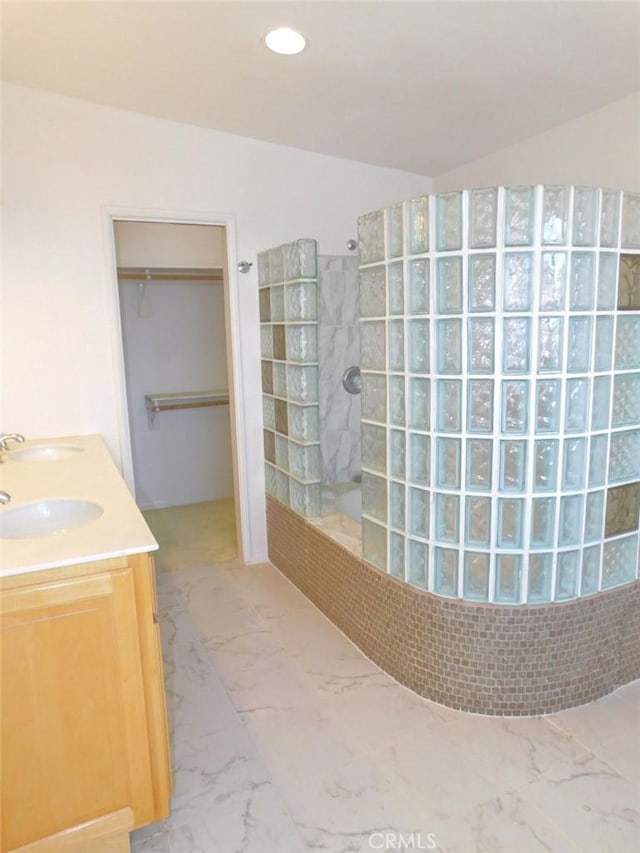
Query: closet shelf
{"type": "Point", "coordinates": [186, 400]}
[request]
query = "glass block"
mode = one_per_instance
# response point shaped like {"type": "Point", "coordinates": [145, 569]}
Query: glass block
{"type": "Point", "coordinates": [579, 351]}
{"type": "Point", "coordinates": [395, 230]}
{"type": "Point", "coordinates": [590, 570]}
{"type": "Point", "coordinates": [282, 453]}
{"type": "Point", "coordinates": [418, 345]}
{"type": "Point", "coordinates": [515, 404]}
{"type": "Point", "coordinates": [598, 460]}
{"type": "Point", "coordinates": [269, 443]}
{"type": "Point", "coordinates": [304, 499]}
{"type": "Point", "coordinates": [374, 397]}
{"type": "Point", "coordinates": [419, 403]}
{"type": "Point", "coordinates": [449, 411]}
{"type": "Point", "coordinates": [631, 220]}
{"type": "Point", "coordinates": [550, 344]}
{"type": "Point", "coordinates": [419, 513]}
{"type": "Point", "coordinates": [447, 517]}
{"type": "Point", "coordinates": [582, 293]}
{"type": "Point", "coordinates": [418, 225]}
{"type": "Point", "coordinates": [280, 379]}
{"type": "Point", "coordinates": [553, 281]}
{"type": "Point", "coordinates": [448, 462]}
{"type": "Point", "coordinates": [396, 556]}
{"type": "Point", "coordinates": [516, 346]}
{"type": "Point", "coordinates": [577, 405]}
{"type": "Point", "coordinates": [518, 286]}
{"type": "Point", "coordinates": [304, 462]}
{"type": "Point", "coordinates": [508, 572]}
{"type": "Point", "coordinates": [282, 487]}
{"type": "Point", "coordinates": [264, 303]}
{"type": "Point", "coordinates": [624, 456]}
{"type": "Point", "coordinates": [567, 575]}
{"type": "Point", "coordinates": [301, 301]}
{"type": "Point", "coordinates": [371, 237]}
{"type": "Point", "coordinates": [264, 274]}
{"type": "Point", "coordinates": [574, 465]}
{"type": "Point", "coordinates": [513, 465]}
{"type": "Point", "coordinates": [396, 507]}
{"type": "Point", "coordinates": [302, 343]}
{"type": "Point", "coordinates": [373, 292]}
{"type": "Point", "coordinates": [603, 351]}
{"type": "Point", "coordinates": [548, 405]}
{"type": "Point", "coordinates": [281, 415]}
{"type": "Point", "coordinates": [266, 341]}
{"type": "Point", "coordinates": [619, 561]}
{"type": "Point", "coordinates": [374, 448]}
{"type": "Point", "coordinates": [374, 544]}
{"type": "Point", "coordinates": [279, 341]}
{"type": "Point", "coordinates": [300, 259]}
{"type": "Point", "coordinates": [270, 480]}
{"type": "Point", "coordinates": [449, 281]}
{"type": "Point", "coordinates": [449, 334]}
{"type": "Point", "coordinates": [555, 209]}
{"type": "Point", "coordinates": [610, 218]}
{"type": "Point", "coordinates": [623, 509]}
{"type": "Point", "coordinates": [479, 467]}
{"type": "Point", "coordinates": [398, 453]}
{"type": "Point", "coordinates": [476, 576]}
{"type": "Point", "coordinates": [510, 526]}
{"type": "Point", "coordinates": [545, 470]}
{"type": "Point", "coordinates": [540, 573]}
{"type": "Point", "coordinates": [607, 281]}
{"type": "Point", "coordinates": [480, 345]}
{"type": "Point", "coordinates": [449, 221]}
{"type": "Point", "coordinates": [629, 283]}
{"type": "Point", "coordinates": [302, 383]}
{"type": "Point", "coordinates": [519, 216]}
{"type": "Point", "coordinates": [594, 516]}
{"type": "Point", "coordinates": [374, 496]}
{"type": "Point", "coordinates": [396, 400]}
{"type": "Point", "coordinates": [303, 423]}
{"type": "Point", "coordinates": [585, 215]}
{"type": "Point", "coordinates": [419, 459]}
{"type": "Point", "coordinates": [570, 525]}
{"type": "Point", "coordinates": [600, 402]}
{"type": "Point", "coordinates": [372, 345]}
{"type": "Point", "coordinates": [418, 287]}
{"type": "Point", "coordinates": [266, 375]}
{"type": "Point", "coordinates": [396, 344]}
{"type": "Point", "coordinates": [478, 521]}
{"type": "Point", "coordinates": [418, 569]}
{"type": "Point", "coordinates": [276, 263]}
{"type": "Point", "coordinates": [542, 522]}
{"type": "Point", "coordinates": [483, 205]}
{"type": "Point", "coordinates": [268, 412]}
{"type": "Point", "coordinates": [445, 572]}
{"type": "Point", "coordinates": [396, 288]}
{"type": "Point", "coordinates": [626, 399]}
{"type": "Point", "coordinates": [480, 405]}
{"type": "Point", "coordinates": [482, 282]}
{"type": "Point", "coordinates": [627, 350]}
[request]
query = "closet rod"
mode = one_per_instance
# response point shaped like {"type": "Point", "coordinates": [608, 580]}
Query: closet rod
{"type": "Point", "coordinates": [165, 274]}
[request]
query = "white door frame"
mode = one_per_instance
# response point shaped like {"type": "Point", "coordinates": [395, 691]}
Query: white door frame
{"type": "Point", "coordinates": [234, 368]}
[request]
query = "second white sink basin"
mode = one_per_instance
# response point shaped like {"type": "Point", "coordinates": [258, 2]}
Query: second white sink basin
{"type": "Point", "coordinates": [45, 452]}
{"type": "Point", "coordinates": [49, 517]}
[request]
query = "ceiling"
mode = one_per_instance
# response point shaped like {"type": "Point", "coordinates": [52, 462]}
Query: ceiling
{"type": "Point", "coordinates": [418, 86]}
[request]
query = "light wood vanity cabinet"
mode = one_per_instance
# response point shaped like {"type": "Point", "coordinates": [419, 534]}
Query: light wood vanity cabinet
{"type": "Point", "coordinates": [84, 747]}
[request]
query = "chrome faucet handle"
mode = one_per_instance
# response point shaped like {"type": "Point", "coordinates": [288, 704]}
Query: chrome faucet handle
{"type": "Point", "coordinates": [10, 436]}
{"type": "Point", "coordinates": [5, 497]}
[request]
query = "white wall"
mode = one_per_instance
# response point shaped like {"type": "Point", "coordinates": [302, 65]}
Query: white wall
{"type": "Point", "coordinates": [599, 149]}
{"type": "Point", "coordinates": [65, 163]}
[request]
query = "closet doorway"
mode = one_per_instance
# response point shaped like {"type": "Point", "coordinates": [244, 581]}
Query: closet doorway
{"type": "Point", "coordinates": [172, 304]}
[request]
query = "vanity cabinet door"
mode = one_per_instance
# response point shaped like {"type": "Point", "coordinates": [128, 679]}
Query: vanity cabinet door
{"type": "Point", "coordinates": [74, 742]}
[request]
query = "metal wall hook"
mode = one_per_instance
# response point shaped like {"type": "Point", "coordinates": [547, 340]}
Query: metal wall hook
{"type": "Point", "coordinates": [352, 245]}
{"type": "Point", "coordinates": [244, 266]}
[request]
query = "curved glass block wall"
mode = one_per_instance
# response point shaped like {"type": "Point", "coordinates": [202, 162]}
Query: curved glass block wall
{"type": "Point", "coordinates": [500, 350]}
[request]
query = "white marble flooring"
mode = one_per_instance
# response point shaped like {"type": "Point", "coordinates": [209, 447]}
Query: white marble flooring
{"type": "Point", "coordinates": [286, 739]}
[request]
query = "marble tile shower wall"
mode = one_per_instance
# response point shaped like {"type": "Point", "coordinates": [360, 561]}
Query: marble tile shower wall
{"type": "Point", "coordinates": [288, 285]}
{"type": "Point", "coordinates": [500, 350]}
{"type": "Point", "coordinates": [339, 348]}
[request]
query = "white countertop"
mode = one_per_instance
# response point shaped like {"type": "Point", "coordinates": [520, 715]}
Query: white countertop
{"type": "Point", "coordinates": [89, 475]}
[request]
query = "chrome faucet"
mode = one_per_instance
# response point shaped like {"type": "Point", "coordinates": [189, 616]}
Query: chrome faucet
{"type": "Point", "coordinates": [5, 497]}
{"type": "Point", "coordinates": [9, 436]}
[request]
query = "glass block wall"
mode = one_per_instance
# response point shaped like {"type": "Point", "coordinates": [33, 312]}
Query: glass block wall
{"type": "Point", "coordinates": [287, 278]}
{"type": "Point", "coordinates": [500, 350]}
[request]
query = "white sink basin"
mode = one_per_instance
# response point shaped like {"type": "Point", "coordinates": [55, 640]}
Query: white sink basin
{"type": "Point", "coordinates": [45, 452]}
{"type": "Point", "coordinates": [49, 517]}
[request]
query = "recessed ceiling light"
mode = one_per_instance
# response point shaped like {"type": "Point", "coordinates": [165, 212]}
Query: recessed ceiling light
{"type": "Point", "coordinates": [285, 40]}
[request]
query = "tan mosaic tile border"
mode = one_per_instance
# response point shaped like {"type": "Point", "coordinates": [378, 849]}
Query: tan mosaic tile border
{"type": "Point", "coordinates": [488, 659]}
